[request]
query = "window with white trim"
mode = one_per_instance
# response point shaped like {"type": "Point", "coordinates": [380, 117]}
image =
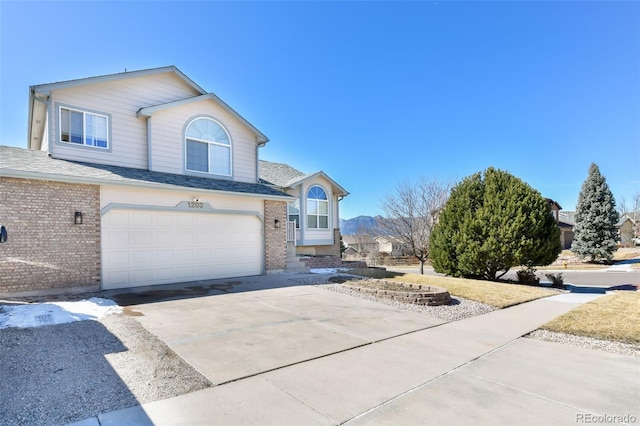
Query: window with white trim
{"type": "Point", "coordinates": [84, 128]}
{"type": "Point", "coordinates": [317, 208]}
{"type": "Point", "coordinates": [293, 212]}
{"type": "Point", "coordinates": [208, 147]}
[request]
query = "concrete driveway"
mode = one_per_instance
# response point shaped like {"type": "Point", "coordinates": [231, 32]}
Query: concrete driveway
{"type": "Point", "coordinates": [297, 354]}
{"type": "Point", "coordinates": [257, 325]}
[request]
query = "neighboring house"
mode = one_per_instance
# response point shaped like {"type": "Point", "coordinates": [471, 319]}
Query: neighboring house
{"type": "Point", "coordinates": [555, 208]}
{"type": "Point", "coordinates": [144, 178]}
{"type": "Point", "coordinates": [626, 230]}
{"type": "Point", "coordinates": [362, 244]}
{"type": "Point", "coordinates": [565, 223]}
{"type": "Point", "coordinates": [350, 252]}
{"type": "Point", "coordinates": [314, 207]}
{"type": "Point", "coordinates": [392, 246]}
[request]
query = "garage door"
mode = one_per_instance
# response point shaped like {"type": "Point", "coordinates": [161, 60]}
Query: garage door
{"type": "Point", "coordinates": [159, 247]}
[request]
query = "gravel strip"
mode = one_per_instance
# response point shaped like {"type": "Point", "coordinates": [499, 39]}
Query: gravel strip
{"type": "Point", "coordinates": [587, 342]}
{"type": "Point", "coordinates": [58, 374]}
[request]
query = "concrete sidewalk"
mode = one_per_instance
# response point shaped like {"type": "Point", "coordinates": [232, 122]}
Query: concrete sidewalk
{"type": "Point", "coordinates": [473, 371]}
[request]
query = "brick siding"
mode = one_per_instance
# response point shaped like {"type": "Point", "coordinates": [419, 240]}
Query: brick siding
{"type": "Point", "coordinates": [275, 239]}
{"type": "Point", "coordinates": [45, 251]}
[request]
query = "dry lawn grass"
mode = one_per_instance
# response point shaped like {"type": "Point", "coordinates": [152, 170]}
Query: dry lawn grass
{"type": "Point", "coordinates": [499, 295]}
{"type": "Point", "coordinates": [612, 317]}
{"type": "Point", "coordinates": [569, 261]}
{"type": "Point", "coordinates": [626, 253]}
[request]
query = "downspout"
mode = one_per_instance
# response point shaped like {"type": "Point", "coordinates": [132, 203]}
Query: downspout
{"type": "Point", "coordinates": [258, 146]}
{"type": "Point", "coordinates": [149, 150]}
{"type": "Point", "coordinates": [264, 234]}
{"type": "Point", "coordinates": [302, 204]}
{"type": "Point", "coordinates": [149, 154]}
{"type": "Point", "coordinates": [30, 116]}
{"type": "Point", "coordinates": [32, 100]}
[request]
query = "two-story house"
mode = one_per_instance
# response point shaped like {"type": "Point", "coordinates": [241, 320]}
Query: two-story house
{"type": "Point", "coordinates": [144, 178]}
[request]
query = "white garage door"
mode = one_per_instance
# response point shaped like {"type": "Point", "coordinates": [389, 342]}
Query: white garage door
{"type": "Point", "coordinates": [159, 247]}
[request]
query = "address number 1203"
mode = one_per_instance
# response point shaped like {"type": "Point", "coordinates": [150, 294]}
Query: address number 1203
{"type": "Point", "coordinates": [195, 204]}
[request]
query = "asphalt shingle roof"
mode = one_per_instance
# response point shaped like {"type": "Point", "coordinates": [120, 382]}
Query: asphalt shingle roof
{"type": "Point", "coordinates": [39, 165]}
{"type": "Point", "coordinates": [278, 174]}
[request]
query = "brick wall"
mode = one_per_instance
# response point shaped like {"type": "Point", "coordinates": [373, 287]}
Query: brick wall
{"type": "Point", "coordinates": [275, 239]}
{"type": "Point", "coordinates": [45, 252]}
{"type": "Point", "coordinates": [322, 262]}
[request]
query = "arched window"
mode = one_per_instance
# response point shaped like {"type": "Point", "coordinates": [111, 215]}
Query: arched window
{"type": "Point", "coordinates": [317, 208]}
{"type": "Point", "coordinates": [208, 147]}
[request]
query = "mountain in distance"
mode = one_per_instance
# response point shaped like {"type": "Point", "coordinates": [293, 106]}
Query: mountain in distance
{"type": "Point", "coordinates": [361, 225]}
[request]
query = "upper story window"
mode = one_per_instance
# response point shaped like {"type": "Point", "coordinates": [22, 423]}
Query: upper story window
{"type": "Point", "coordinates": [84, 128]}
{"type": "Point", "coordinates": [317, 208]}
{"type": "Point", "coordinates": [208, 147]}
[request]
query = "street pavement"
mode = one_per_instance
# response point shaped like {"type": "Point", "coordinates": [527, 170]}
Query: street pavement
{"type": "Point", "coordinates": [287, 353]}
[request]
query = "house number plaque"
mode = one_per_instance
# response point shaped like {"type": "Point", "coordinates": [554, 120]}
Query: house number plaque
{"type": "Point", "coordinates": [195, 204]}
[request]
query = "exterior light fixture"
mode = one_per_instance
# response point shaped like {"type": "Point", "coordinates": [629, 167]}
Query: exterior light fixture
{"type": "Point", "coordinates": [78, 218]}
{"type": "Point", "coordinates": [276, 223]}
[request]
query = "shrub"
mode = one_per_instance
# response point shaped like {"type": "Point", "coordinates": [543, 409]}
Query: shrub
{"type": "Point", "coordinates": [493, 221]}
{"type": "Point", "coordinates": [527, 276]}
{"type": "Point", "coordinates": [557, 280]}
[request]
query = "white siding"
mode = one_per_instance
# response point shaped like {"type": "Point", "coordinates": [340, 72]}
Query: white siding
{"type": "Point", "coordinates": [121, 99]}
{"type": "Point", "coordinates": [167, 127]}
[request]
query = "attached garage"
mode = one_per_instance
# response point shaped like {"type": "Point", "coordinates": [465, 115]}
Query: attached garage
{"type": "Point", "coordinates": [101, 227]}
{"type": "Point", "coordinates": [148, 247]}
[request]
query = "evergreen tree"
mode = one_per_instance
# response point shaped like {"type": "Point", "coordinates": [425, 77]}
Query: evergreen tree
{"type": "Point", "coordinates": [595, 232]}
{"type": "Point", "coordinates": [491, 223]}
{"type": "Point", "coordinates": [343, 248]}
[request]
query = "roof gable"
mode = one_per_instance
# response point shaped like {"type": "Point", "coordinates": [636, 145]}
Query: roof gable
{"type": "Point", "coordinates": [148, 111]}
{"type": "Point", "coordinates": [48, 87]}
{"type": "Point", "coordinates": [40, 93]}
{"type": "Point", "coordinates": [285, 176]}
{"type": "Point", "coordinates": [625, 218]}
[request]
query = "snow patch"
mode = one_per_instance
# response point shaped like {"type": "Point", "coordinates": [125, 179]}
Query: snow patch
{"type": "Point", "coordinates": [326, 270]}
{"type": "Point", "coordinates": [51, 313]}
{"type": "Point", "coordinates": [620, 268]}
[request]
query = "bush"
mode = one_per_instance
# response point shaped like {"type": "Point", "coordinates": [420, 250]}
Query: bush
{"type": "Point", "coordinates": [557, 280]}
{"type": "Point", "coordinates": [527, 276]}
{"type": "Point", "coordinates": [493, 221]}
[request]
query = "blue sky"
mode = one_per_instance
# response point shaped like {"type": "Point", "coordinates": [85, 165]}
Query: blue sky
{"type": "Point", "coordinates": [372, 93]}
